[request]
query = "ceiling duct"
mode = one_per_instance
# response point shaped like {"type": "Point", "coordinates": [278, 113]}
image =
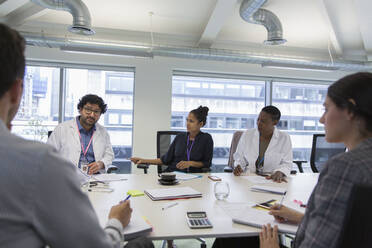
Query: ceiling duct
{"type": "Point", "coordinates": [103, 47]}
{"type": "Point", "coordinates": [251, 11]}
{"type": "Point", "coordinates": [81, 23]}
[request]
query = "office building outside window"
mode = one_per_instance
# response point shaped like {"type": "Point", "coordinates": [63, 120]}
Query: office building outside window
{"type": "Point", "coordinates": [233, 105]}
{"type": "Point", "coordinates": [301, 106]}
{"type": "Point", "coordinates": [38, 111]}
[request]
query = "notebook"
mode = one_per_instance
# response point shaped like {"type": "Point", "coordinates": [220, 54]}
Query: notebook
{"type": "Point", "coordinates": [269, 189]}
{"type": "Point", "coordinates": [257, 218]}
{"type": "Point", "coordinates": [137, 227]}
{"type": "Point", "coordinates": [172, 193]}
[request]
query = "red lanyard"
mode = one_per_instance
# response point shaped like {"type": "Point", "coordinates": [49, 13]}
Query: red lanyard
{"type": "Point", "coordinates": [81, 142]}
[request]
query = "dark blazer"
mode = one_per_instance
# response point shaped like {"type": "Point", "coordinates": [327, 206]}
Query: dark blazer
{"type": "Point", "coordinates": [202, 151]}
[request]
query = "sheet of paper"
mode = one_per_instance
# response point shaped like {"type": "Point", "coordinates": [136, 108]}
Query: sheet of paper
{"type": "Point", "coordinates": [186, 176]}
{"type": "Point", "coordinates": [260, 180]}
{"type": "Point", "coordinates": [235, 209]}
{"type": "Point", "coordinates": [110, 177]}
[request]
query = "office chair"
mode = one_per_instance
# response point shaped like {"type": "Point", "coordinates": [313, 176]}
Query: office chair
{"type": "Point", "coordinates": [163, 140]}
{"type": "Point", "coordinates": [357, 224]}
{"type": "Point", "coordinates": [321, 151]}
{"type": "Point", "coordinates": [234, 144]}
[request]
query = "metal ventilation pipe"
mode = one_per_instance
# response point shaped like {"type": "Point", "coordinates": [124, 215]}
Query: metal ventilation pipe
{"type": "Point", "coordinates": [250, 11]}
{"type": "Point", "coordinates": [81, 23]}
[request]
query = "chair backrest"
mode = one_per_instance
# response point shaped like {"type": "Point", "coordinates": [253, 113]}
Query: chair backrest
{"type": "Point", "coordinates": [163, 141]}
{"type": "Point", "coordinates": [356, 230]}
{"type": "Point", "coordinates": [234, 144]}
{"type": "Point", "coordinates": [321, 151]}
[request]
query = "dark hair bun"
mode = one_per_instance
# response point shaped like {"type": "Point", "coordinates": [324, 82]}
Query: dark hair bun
{"type": "Point", "coordinates": [201, 114]}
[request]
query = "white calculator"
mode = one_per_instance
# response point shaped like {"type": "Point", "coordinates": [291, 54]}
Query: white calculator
{"type": "Point", "coordinates": [198, 220]}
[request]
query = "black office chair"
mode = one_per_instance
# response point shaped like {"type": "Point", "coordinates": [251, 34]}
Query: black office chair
{"type": "Point", "coordinates": [163, 140]}
{"type": "Point", "coordinates": [358, 220]}
{"type": "Point", "coordinates": [321, 151]}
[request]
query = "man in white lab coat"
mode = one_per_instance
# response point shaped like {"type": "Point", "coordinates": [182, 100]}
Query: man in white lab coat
{"type": "Point", "coordinates": [82, 140]}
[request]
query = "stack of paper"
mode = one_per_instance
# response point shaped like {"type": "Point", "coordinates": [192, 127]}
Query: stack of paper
{"type": "Point", "coordinates": [269, 189]}
{"type": "Point", "coordinates": [172, 193]}
{"type": "Point", "coordinates": [257, 218]}
{"type": "Point", "coordinates": [110, 177]}
{"type": "Point", "coordinates": [136, 227]}
{"type": "Point", "coordinates": [186, 176]}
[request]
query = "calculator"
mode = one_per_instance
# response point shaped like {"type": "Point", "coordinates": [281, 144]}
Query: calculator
{"type": "Point", "coordinates": [198, 220]}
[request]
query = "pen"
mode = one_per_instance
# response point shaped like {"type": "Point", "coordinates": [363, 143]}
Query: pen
{"type": "Point", "coordinates": [169, 206]}
{"type": "Point", "coordinates": [126, 199]}
{"type": "Point", "coordinates": [281, 201]}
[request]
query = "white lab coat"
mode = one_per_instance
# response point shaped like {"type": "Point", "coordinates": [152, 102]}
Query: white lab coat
{"type": "Point", "coordinates": [65, 138]}
{"type": "Point", "coordinates": [278, 156]}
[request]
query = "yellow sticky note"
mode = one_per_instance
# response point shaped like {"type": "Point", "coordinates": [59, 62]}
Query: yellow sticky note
{"type": "Point", "coordinates": [135, 192]}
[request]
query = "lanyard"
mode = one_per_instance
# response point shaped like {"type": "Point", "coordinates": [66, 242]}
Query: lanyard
{"type": "Point", "coordinates": [81, 142]}
{"type": "Point", "coordinates": [188, 151]}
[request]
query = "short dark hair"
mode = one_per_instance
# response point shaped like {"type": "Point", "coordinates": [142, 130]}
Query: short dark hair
{"type": "Point", "coordinates": [273, 111]}
{"type": "Point", "coordinates": [12, 58]}
{"type": "Point", "coordinates": [92, 99]}
{"type": "Point", "coordinates": [201, 114]}
{"type": "Point", "coordinates": [358, 88]}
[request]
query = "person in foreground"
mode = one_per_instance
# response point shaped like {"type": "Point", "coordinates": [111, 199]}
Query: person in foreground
{"type": "Point", "coordinates": [348, 119]}
{"type": "Point", "coordinates": [41, 203]}
{"type": "Point", "coordinates": [82, 140]}
{"type": "Point", "coordinates": [265, 149]}
{"type": "Point", "coordinates": [189, 152]}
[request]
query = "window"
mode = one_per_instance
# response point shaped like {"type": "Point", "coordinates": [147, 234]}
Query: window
{"type": "Point", "coordinates": [233, 105]}
{"type": "Point", "coordinates": [38, 111]}
{"type": "Point", "coordinates": [301, 106]}
{"type": "Point", "coordinates": [40, 107]}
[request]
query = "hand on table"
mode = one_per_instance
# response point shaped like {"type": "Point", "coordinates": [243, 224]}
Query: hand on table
{"type": "Point", "coordinates": [284, 214]}
{"type": "Point", "coordinates": [238, 170]}
{"type": "Point", "coordinates": [269, 237]}
{"type": "Point", "coordinates": [183, 165]}
{"type": "Point", "coordinates": [121, 212]}
{"type": "Point", "coordinates": [277, 177]}
{"type": "Point", "coordinates": [95, 167]}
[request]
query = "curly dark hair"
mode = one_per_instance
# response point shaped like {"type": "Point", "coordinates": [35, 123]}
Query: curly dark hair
{"type": "Point", "coordinates": [12, 59]}
{"type": "Point", "coordinates": [201, 114]}
{"type": "Point", "coordinates": [92, 99]}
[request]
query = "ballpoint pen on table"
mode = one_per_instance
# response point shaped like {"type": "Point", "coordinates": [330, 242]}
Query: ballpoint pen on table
{"type": "Point", "coordinates": [169, 206]}
{"type": "Point", "coordinates": [107, 190]}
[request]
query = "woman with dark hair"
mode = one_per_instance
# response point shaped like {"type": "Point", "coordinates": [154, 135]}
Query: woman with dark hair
{"type": "Point", "coordinates": [347, 118]}
{"type": "Point", "coordinates": [190, 151]}
{"type": "Point", "coordinates": [265, 150]}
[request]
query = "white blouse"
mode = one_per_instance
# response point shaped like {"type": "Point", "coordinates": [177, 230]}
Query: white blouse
{"type": "Point", "coordinates": [278, 156]}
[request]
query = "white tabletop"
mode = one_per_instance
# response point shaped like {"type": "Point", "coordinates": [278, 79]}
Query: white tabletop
{"type": "Point", "coordinates": [171, 223]}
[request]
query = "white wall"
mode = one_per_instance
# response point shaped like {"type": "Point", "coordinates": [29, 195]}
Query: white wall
{"type": "Point", "coordinates": [153, 83]}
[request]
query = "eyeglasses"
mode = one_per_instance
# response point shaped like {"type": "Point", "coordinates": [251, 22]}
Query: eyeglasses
{"type": "Point", "coordinates": [89, 111]}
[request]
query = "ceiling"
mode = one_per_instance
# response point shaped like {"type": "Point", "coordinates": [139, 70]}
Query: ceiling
{"type": "Point", "coordinates": [314, 29]}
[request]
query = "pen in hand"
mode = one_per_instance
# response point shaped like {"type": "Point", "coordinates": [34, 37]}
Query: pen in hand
{"type": "Point", "coordinates": [281, 201]}
{"type": "Point", "coordinates": [126, 199]}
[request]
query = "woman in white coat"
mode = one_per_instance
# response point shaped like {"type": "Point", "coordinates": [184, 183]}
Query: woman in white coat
{"type": "Point", "coordinates": [265, 150]}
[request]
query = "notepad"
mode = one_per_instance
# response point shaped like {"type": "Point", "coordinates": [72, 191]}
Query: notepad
{"type": "Point", "coordinates": [135, 192]}
{"type": "Point", "coordinates": [172, 193]}
{"type": "Point", "coordinates": [186, 176]}
{"type": "Point", "coordinates": [136, 227]}
{"type": "Point", "coordinates": [258, 218]}
{"type": "Point", "coordinates": [269, 189]}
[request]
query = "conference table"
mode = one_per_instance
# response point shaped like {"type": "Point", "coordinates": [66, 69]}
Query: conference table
{"type": "Point", "coordinates": [171, 223]}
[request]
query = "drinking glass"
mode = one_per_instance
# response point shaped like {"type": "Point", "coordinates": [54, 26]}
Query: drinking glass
{"type": "Point", "coordinates": [221, 190]}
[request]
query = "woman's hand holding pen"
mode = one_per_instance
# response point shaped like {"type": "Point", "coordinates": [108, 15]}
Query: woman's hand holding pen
{"type": "Point", "coordinates": [284, 214]}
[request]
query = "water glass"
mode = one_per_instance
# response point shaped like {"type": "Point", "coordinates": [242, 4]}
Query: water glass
{"type": "Point", "coordinates": [221, 190]}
